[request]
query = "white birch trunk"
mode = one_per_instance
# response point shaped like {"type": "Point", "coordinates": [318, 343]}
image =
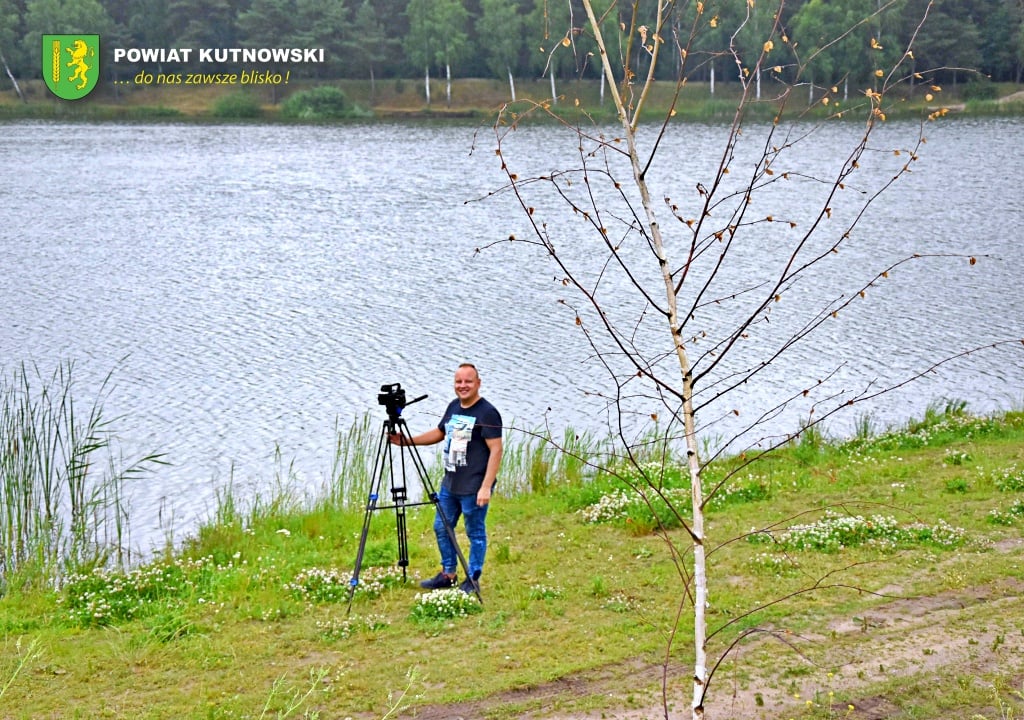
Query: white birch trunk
{"type": "Point", "coordinates": [426, 84]}
{"type": "Point", "coordinates": [551, 75]}
{"type": "Point", "coordinates": [700, 579]}
{"type": "Point", "coordinates": [700, 672]}
{"type": "Point", "coordinates": [448, 85]}
{"type": "Point", "coordinates": [712, 79]}
{"type": "Point", "coordinates": [511, 84]}
{"type": "Point", "coordinates": [10, 75]}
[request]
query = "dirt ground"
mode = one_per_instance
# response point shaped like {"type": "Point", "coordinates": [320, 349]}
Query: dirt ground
{"type": "Point", "coordinates": [972, 631]}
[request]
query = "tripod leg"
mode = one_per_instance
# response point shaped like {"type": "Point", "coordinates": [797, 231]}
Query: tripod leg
{"type": "Point", "coordinates": [371, 504]}
{"type": "Point", "coordinates": [398, 496]}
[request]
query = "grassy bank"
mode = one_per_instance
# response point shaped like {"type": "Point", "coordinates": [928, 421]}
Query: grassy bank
{"type": "Point", "coordinates": [897, 557]}
{"type": "Point", "coordinates": [470, 98]}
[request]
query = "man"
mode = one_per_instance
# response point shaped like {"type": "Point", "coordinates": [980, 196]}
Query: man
{"type": "Point", "coordinates": [471, 431]}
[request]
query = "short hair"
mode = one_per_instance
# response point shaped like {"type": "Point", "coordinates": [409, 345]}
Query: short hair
{"type": "Point", "coordinates": [469, 365]}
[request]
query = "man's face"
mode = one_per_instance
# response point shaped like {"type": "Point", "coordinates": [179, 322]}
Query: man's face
{"type": "Point", "coordinates": [467, 385]}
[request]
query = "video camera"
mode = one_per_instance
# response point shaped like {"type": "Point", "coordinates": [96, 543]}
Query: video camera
{"type": "Point", "coordinates": [392, 397]}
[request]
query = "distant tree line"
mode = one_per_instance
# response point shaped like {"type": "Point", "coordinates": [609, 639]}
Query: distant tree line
{"type": "Point", "coordinates": [379, 39]}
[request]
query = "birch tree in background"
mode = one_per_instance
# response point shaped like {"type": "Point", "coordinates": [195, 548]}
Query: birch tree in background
{"type": "Point", "coordinates": [437, 36]}
{"type": "Point", "coordinates": [694, 276]}
{"type": "Point", "coordinates": [502, 25]}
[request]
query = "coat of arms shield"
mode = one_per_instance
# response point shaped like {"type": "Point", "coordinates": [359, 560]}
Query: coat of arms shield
{"type": "Point", "coordinates": [71, 64]}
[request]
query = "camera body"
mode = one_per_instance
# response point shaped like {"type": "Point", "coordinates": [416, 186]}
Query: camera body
{"type": "Point", "coordinates": [392, 397]}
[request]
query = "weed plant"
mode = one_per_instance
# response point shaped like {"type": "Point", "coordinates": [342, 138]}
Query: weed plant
{"type": "Point", "coordinates": [444, 604]}
{"type": "Point", "coordinates": [835, 532]}
{"type": "Point", "coordinates": [1009, 479]}
{"type": "Point", "coordinates": [352, 625]}
{"type": "Point", "coordinates": [319, 585]}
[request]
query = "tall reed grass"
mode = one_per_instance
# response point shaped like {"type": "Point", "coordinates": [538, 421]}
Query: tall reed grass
{"type": "Point", "coordinates": [530, 462]}
{"type": "Point", "coordinates": [533, 461]}
{"type": "Point", "coordinates": [62, 499]}
{"type": "Point", "coordinates": [352, 471]}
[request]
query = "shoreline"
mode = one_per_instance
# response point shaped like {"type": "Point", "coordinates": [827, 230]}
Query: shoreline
{"type": "Point", "coordinates": [471, 98]}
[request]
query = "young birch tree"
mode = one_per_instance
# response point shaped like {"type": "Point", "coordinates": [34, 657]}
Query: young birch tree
{"type": "Point", "coordinates": [703, 273]}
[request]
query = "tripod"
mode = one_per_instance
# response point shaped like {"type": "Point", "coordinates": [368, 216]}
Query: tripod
{"type": "Point", "coordinates": [393, 398]}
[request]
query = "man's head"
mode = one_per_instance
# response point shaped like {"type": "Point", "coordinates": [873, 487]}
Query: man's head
{"type": "Point", "coordinates": [467, 384]}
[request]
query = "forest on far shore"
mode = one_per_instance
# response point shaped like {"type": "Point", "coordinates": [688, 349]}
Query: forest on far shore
{"type": "Point", "coordinates": [960, 41]}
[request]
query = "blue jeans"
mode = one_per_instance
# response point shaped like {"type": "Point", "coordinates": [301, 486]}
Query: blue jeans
{"type": "Point", "coordinates": [454, 506]}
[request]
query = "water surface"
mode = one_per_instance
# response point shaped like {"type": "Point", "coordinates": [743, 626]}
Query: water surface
{"type": "Point", "coordinates": [252, 287]}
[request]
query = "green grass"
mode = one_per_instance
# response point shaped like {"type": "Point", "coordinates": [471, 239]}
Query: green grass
{"type": "Point", "coordinates": [249, 618]}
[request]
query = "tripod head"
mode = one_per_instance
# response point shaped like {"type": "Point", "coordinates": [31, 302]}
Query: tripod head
{"type": "Point", "coordinates": [392, 397]}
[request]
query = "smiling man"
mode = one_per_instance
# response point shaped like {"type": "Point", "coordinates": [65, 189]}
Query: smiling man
{"type": "Point", "coordinates": [471, 431]}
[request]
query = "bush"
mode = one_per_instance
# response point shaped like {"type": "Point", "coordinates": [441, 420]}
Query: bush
{"type": "Point", "coordinates": [981, 89]}
{"type": "Point", "coordinates": [322, 103]}
{"type": "Point", "coordinates": [237, 105]}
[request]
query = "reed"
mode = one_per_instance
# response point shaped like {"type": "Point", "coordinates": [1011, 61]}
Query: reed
{"type": "Point", "coordinates": [530, 461]}
{"type": "Point", "coordinates": [535, 461]}
{"type": "Point", "coordinates": [352, 470]}
{"type": "Point", "coordinates": [62, 500]}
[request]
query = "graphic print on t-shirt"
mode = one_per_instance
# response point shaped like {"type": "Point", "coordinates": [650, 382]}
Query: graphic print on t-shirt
{"type": "Point", "coordinates": [458, 431]}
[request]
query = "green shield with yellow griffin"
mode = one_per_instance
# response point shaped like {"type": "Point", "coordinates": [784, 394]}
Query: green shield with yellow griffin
{"type": "Point", "coordinates": [71, 64]}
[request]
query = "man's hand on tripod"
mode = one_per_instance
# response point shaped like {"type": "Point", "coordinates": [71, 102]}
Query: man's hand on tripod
{"type": "Point", "coordinates": [396, 439]}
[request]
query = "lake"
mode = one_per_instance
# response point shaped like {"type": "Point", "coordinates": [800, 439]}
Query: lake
{"type": "Point", "coordinates": [251, 287]}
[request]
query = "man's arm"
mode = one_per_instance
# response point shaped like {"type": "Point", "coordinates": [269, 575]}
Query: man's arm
{"type": "Point", "coordinates": [430, 437]}
{"type": "Point", "coordinates": [491, 474]}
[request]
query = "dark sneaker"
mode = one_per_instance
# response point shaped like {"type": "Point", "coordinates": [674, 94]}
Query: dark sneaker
{"type": "Point", "coordinates": [438, 581]}
{"type": "Point", "coordinates": [469, 586]}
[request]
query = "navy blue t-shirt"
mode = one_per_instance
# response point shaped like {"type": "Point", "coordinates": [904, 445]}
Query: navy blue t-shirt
{"type": "Point", "coordinates": [465, 451]}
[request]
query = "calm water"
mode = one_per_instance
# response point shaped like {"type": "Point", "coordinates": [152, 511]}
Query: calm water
{"type": "Point", "coordinates": [252, 287]}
